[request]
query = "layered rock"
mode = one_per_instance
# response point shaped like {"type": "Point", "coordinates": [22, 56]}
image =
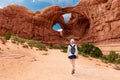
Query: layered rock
{"type": "Point", "coordinates": [104, 19]}
{"type": "Point", "coordinates": [91, 20]}
{"type": "Point", "coordinates": [22, 22]}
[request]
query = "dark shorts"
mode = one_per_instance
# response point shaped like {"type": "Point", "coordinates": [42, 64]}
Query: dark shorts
{"type": "Point", "coordinates": [72, 57]}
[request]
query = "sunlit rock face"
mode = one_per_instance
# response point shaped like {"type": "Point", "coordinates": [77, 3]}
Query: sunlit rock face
{"type": "Point", "coordinates": [91, 21]}
{"type": "Point", "coordinates": [103, 18]}
{"type": "Point", "coordinates": [22, 22]}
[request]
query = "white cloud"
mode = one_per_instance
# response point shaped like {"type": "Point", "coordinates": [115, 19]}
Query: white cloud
{"type": "Point", "coordinates": [33, 1]}
{"type": "Point", "coordinates": [59, 30]}
{"type": "Point", "coordinates": [1, 7]}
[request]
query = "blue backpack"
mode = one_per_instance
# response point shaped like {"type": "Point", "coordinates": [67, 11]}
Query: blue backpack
{"type": "Point", "coordinates": [72, 49]}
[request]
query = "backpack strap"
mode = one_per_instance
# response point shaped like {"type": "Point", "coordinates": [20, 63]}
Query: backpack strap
{"type": "Point", "coordinates": [72, 46]}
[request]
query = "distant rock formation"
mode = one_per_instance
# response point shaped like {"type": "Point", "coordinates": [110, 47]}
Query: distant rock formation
{"type": "Point", "coordinates": [91, 21]}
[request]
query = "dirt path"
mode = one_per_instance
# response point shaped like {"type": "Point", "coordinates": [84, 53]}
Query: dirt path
{"type": "Point", "coordinates": [18, 63]}
{"type": "Point", "coordinates": [56, 66]}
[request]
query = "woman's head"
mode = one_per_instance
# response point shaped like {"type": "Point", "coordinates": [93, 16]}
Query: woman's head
{"type": "Point", "coordinates": [72, 41]}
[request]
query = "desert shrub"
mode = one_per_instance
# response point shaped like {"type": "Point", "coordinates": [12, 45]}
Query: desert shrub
{"type": "Point", "coordinates": [79, 50]}
{"type": "Point", "coordinates": [50, 45]}
{"type": "Point", "coordinates": [112, 56]}
{"type": "Point", "coordinates": [31, 43]}
{"type": "Point", "coordinates": [16, 38]}
{"type": "Point", "coordinates": [104, 59]}
{"type": "Point", "coordinates": [63, 48]}
{"type": "Point", "coordinates": [83, 54]}
{"type": "Point", "coordinates": [87, 48]}
{"type": "Point", "coordinates": [117, 61]}
{"type": "Point", "coordinates": [37, 44]}
{"type": "Point", "coordinates": [7, 36]}
{"type": "Point", "coordinates": [90, 49]}
{"type": "Point", "coordinates": [96, 52]}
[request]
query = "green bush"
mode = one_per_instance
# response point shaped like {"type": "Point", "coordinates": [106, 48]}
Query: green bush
{"type": "Point", "coordinates": [96, 52]}
{"type": "Point", "coordinates": [37, 44]}
{"type": "Point", "coordinates": [30, 42]}
{"type": "Point", "coordinates": [104, 59]}
{"type": "Point", "coordinates": [83, 54]}
{"type": "Point", "coordinates": [63, 48]}
{"type": "Point", "coordinates": [87, 48]}
{"type": "Point", "coordinates": [79, 50]}
{"type": "Point", "coordinates": [50, 45]}
{"type": "Point", "coordinates": [117, 61]}
{"type": "Point", "coordinates": [16, 38]}
{"type": "Point", "coordinates": [90, 49]}
{"type": "Point", "coordinates": [112, 56]}
{"type": "Point", "coordinates": [7, 36]}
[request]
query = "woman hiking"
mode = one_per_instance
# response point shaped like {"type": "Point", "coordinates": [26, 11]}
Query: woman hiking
{"type": "Point", "coordinates": [72, 54]}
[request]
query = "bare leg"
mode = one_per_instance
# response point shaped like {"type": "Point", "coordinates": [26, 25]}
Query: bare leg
{"type": "Point", "coordinates": [73, 65]}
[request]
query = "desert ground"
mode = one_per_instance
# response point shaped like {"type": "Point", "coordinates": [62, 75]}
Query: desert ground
{"type": "Point", "coordinates": [18, 63]}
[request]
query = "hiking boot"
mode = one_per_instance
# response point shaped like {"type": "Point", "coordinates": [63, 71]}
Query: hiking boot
{"type": "Point", "coordinates": [73, 71]}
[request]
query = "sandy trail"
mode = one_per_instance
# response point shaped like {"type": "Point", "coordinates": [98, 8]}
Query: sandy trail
{"type": "Point", "coordinates": [18, 63]}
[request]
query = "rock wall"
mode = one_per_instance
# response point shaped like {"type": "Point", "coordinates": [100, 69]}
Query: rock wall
{"type": "Point", "coordinates": [91, 21]}
{"type": "Point", "coordinates": [22, 22]}
{"type": "Point", "coordinates": [104, 18]}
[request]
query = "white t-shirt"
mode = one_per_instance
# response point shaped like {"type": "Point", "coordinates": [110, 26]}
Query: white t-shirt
{"type": "Point", "coordinates": [69, 50]}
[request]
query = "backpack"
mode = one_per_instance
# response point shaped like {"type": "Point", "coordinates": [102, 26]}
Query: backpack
{"type": "Point", "coordinates": [72, 49]}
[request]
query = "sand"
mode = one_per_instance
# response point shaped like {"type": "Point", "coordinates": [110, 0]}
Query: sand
{"type": "Point", "coordinates": [18, 63]}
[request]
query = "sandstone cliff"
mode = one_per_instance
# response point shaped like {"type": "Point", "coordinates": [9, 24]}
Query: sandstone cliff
{"type": "Point", "coordinates": [91, 20]}
{"type": "Point", "coordinates": [103, 17]}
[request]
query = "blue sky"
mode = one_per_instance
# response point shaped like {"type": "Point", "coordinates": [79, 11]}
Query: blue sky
{"type": "Point", "coordinates": [40, 4]}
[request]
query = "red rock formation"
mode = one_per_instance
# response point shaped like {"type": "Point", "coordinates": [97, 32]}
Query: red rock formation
{"type": "Point", "coordinates": [22, 22]}
{"type": "Point", "coordinates": [104, 19]}
{"type": "Point", "coordinates": [91, 21]}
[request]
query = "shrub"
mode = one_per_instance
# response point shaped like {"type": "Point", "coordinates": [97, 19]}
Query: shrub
{"type": "Point", "coordinates": [16, 38]}
{"type": "Point", "coordinates": [104, 59]}
{"type": "Point", "coordinates": [31, 43]}
{"type": "Point", "coordinates": [64, 48]}
{"type": "Point", "coordinates": [79, 50]}
{"type": "Point", "coordinates": [96, 52]}
{"type": "Point", "coordinates": [37, 44]}
{"type": "Point", "coordinates": [90, 49]}
{"type": "Point", "coordinates": [87, 48]}
{"type": "Point", "coordinates": [7, 36]}
{"type": "Point", "coordinates": [117, 61]}
{"type": "Point", "coordinates": [112, 56]}
{"type": "Point", "coordinates": [83, 54]}
{"type": "Point", "coordinates": [51, 46]}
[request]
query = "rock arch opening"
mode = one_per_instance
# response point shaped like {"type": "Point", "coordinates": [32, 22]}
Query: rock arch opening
{"type": "Point", "coordinates": [74, 24]}
{"type": "Point", "coordinates": [57, 27]}
{"type": "Point", "coordinates": [77, 26]}
{"type": "Point", "coordinates": [66, 17]}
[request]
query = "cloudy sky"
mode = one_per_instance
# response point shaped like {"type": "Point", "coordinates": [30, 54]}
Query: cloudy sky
{"type": "Point", "coordinates": [40, 4]}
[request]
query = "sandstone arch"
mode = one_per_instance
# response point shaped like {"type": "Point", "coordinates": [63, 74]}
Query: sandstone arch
{"type": "Point", "coordinates": [39, 25]}
{"type": "Point", "coordinates": [91, 21]}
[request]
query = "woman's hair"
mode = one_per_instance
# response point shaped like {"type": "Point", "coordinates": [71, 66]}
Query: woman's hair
{"type": "Point", "coordinates": [72, 41]}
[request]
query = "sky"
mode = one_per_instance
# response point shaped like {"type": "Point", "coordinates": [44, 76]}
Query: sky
{"type": "Point", "coordinates": [35, 5]}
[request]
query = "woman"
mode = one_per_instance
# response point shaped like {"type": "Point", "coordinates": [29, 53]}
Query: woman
{"type": "Point", "coordinates": [72, 53]}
